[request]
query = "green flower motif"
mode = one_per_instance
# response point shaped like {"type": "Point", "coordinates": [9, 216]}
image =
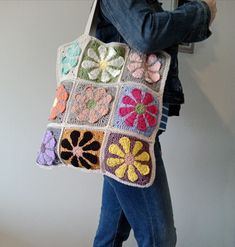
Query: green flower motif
{"type": "Point", "coordinates": [70, 60]}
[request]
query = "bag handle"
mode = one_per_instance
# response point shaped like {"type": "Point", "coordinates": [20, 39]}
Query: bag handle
{"type": "Point", "coordinates": [91, 22]}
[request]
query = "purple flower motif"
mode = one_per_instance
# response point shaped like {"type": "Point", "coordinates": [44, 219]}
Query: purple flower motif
{"type": "Point", "coordinates": [46, 155]}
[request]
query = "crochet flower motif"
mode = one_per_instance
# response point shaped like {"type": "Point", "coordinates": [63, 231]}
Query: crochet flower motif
{"type": "Point", "coordinates": [46, 156]}
{"type": "Point", "coordinates": [59, 104]}
{"type": "Point", "coordinates": [80, 149]}
{"type": "Point", "coordinates": [147, 68]}
{"type": "Point", "coordinates": [130, 160]}
{"type": "Point", "coordinates": [92, 104]}
{"type": "Point", "coordinates": [70, 60]}
{"type": "Point", "coordinates": [144, 110]}
{"type": "Point", "coordinates": [105, 63]}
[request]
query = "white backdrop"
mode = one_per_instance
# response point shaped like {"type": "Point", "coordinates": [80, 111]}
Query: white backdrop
{"type": "Point", "coordinates": [61, 207]}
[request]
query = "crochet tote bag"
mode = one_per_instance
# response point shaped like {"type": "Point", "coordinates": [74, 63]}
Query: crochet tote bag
{"type": "Point", "coordinates": [107, 109]}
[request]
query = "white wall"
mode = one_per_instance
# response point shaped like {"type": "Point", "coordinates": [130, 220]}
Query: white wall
{"type": "Point", "coordinates": [61, 207]}
{"type": "Point", "coordinates": [201, 141]}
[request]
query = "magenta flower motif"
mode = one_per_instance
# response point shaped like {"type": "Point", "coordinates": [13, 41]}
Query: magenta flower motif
{"type": "Point", "coordinates": [144, 110]}
{"type": "Point", "coordinates": [144, 68]}
{"type": "Point", "coordinates": [46, 155]}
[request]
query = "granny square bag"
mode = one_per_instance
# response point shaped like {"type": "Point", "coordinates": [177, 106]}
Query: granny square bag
{"type": "Point", "coordinates": [107, 109]}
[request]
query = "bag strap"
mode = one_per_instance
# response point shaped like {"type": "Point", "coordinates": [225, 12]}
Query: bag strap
{"type": "Point", "coordinates": [91, 22]}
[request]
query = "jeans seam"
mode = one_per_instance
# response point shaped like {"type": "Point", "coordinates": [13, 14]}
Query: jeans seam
{"type": "Point", "coordinates": [149, 218]}
{"type": "Point", "coordinates": [117, 229]}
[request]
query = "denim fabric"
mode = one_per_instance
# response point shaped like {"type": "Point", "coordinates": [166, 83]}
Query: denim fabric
{"type": "Point", "coordinates": [148, 211]}
{"type": "Point", "coordinates": [147, 28]}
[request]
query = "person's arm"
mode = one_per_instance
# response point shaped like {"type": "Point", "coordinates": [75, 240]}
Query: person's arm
{"type": "Point", "coordinates": [149, 31]}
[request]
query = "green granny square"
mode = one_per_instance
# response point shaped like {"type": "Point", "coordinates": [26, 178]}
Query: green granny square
{"type": "Point", "coordinates": [102, 63]}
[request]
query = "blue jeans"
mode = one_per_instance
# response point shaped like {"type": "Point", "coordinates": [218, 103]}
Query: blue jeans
{"type": "Point", "coordinates": [148, 211]}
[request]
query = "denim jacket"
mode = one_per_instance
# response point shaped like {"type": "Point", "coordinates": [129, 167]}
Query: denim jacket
{"type": "Point", "coordinates": [145, 27]}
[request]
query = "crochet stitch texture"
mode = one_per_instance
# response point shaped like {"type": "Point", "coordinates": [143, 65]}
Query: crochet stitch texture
{"type": "Point", "coordinates": [106, 112]}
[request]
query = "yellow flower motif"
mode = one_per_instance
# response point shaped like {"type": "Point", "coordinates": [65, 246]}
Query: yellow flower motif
{"type": "Point", "coordinates": [128, 159]}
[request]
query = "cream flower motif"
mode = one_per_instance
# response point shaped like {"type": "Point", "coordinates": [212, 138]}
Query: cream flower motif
{"type": "Point", "coordinates": [105, 63]}
{"type": "Point", "coordinates": [127, 159]}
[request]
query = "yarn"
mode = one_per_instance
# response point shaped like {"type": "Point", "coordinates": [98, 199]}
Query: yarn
{"type": "Point", "coordinates": [81, 148]}
{"type": "Point", "coordinates": [107, 111]}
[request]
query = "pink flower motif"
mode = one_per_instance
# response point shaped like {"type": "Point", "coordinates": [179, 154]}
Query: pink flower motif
{"type": "Point", "coordinates": [144, 68]}
{"type": "Point", "coordinates": [144, 110]}
{"type": "Point", "coordinates": [92, 104]}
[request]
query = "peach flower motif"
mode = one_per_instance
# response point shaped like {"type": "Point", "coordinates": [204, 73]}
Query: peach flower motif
{"type": "Point", "coordinates": [92, 104]}
{"type": "Point", "coordinates": [59, 104]}
{"type": "Point", "coordinates": [144, 68]}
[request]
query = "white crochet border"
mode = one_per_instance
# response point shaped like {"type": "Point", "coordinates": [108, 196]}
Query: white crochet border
{"type": "Point", "coordinates": [84, 41]}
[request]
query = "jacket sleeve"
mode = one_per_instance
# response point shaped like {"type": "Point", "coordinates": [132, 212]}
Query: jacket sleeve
{"type": "Point", "coordinates": [147, 31]}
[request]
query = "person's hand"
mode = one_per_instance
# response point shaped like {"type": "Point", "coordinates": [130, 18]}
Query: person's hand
{"type": "Point", "coordinates": [212, 7]}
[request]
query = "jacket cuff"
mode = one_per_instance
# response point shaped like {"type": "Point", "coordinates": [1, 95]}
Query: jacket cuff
{"type": "Point", "coordinates": [205, 32]}
{"type": "Point", "coordinates": [202, 31]}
